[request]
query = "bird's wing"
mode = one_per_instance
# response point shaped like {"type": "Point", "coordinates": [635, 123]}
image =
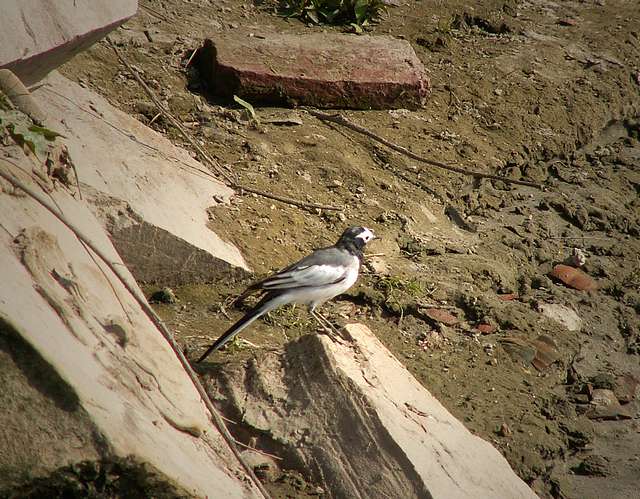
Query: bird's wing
{"type": "Point", "coordinates": [313, 275]}
{"type": "Point", "coordinates": [323, 267]}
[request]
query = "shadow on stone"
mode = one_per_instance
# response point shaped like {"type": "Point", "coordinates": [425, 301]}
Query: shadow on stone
{"type": "Point", "coordinates": [36, 370]}
{"type": "Point", "coordinates": [122, 478]}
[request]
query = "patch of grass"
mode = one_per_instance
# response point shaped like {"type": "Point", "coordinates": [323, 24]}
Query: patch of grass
{"type": "Point", "coordinates": [357, 13]}
{"type": "Point", "coordinates": [632, 280]}
{"type": "Point", "coordinates": [400, 293]}
{"type": "Point", "coordinates": [288, 317]}
{"type": "Point", "coordinates": [445, 25]}
{"type": "Point", "coordinates": [390, 284]}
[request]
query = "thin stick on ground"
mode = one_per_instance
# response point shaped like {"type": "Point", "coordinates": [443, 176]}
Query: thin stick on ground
{"type": "Point", "coordinates": [187, 166]}
{"type": "Point", "coordinates": [193, 54]}
{"type": "Point", "coordinates": [341, 120]}
{"type": "Point", "coordinates": [167, 114]}
{"type": "Point", "coordinates": [273, 456]}
{"type": "Point", "coordinates": [154, 13]}
{"type": "Point", "coordinates": [436, 306]}
{"type": "Point", "coordinates": [580, 237]}
{"type": "Point", "coordinates": [287, 200]}
{"type": "Point", "coordinates": [212, 163]}
{"type": "Point", "coordinates": [155, 319]}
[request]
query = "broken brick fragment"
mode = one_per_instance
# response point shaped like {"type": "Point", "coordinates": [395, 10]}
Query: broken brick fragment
{"type": "Point", "coordinates": [325, 70]}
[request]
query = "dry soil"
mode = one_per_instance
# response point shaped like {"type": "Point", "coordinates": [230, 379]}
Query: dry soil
{"type": "Point", "coordinates": [534, 90]}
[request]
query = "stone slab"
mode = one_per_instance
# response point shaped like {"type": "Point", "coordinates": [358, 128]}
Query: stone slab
{"type": "Point", "coordinates": [326, 70]}
{"type": "Point", "coordinates": [360, 423]}
{"type": "Point", "coordinates": [94, 382]}
{"type": "Point", "coordinates": [151, 195]}
{"type": "Point", "coordinates": [37, 36]}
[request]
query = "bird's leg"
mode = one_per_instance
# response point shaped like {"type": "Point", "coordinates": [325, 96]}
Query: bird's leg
{"type": "Point", "coordinates": [328, 323]}
{"type": "Point", "coordinates": [319, 321]}
{"type": "Point", "coordinates": [341, 332]}
{"type": "Point", "coordinates": [331, 331]}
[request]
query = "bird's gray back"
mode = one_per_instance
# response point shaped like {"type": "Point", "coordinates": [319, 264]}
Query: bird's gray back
{"type": "Point", "coordinates": [325, 256]}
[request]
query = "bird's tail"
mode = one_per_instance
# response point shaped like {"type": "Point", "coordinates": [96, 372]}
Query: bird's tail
{"type": "Point", "coordinates": [268, 303]}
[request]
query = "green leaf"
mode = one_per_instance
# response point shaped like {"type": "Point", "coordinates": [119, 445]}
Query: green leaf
{"type": "Point", "coordinates": [360, 9]}
{"type": "Point", "coordinates": [45, 132]}
{"type": "Point", "coordinates": [25, 133]}
{"type": "Point", "coordinates": [247, 106]}
{"type": "Point", "coordinates": [360, 12]}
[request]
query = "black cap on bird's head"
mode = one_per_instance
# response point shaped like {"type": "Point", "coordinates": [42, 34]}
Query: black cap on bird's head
{"type": "Point", "coordinates": [355, 238]}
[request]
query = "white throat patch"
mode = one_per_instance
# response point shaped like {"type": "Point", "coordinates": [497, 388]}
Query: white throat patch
{"type": "Point", "coordinates": [366, 235]}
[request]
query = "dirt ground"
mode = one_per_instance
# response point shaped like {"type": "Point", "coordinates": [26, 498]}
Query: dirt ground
{"type": "Point", "coordinates": [534, 90]}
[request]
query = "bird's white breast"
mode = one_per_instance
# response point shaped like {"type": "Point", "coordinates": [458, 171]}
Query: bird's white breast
{"type": "Point", "coordinates": [352, 275]}
{"type": "Point", "coordinates": [322, 294]}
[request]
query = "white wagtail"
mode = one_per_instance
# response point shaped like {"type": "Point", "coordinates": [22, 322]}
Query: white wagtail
{"type": "Point", "coordinates": [324, 274]}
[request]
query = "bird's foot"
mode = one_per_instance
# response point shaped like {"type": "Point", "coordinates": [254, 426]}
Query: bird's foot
{"type": "Point", "coordinates": [329, 329]}
{"type": "Point", "coordinates": [335, 337]}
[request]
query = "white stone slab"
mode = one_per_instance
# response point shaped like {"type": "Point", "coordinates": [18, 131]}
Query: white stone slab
{"type": "Point", "coordinates": [127, 161]}
{"type": "Point", "coordinates": [37, 36]}
{"type": "Point", "coordinates": [80, 319]}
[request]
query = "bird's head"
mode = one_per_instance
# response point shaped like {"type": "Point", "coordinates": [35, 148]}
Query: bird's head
{"type": "Point", "coordinates": [356, 236]}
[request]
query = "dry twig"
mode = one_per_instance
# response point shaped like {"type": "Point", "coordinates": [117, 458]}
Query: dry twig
{"type": "Point", "coordinates": [154, 13]}
{"type": "Point", "coordinates": [287, 200]}
{"type": "Point", "coordinates": [155, 319]}
{"type": "Point", "coordinates": [436, 306]}
{"type": "Point", "coordinates": [272, 456]}
{"type": "Point", "coordinates": [190, 168]}
{"type": "Point", "coordinates": [215, 166]}
{"type": "Point", "coordinates": [193, 54]}
{"type": "Point", "coordinates": [341, 120]}
{"type": "Point", "coordinates": [167, 114]}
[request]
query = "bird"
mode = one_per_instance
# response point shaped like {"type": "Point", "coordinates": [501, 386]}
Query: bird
{"type": "Point", "coordinates": [317, 278]}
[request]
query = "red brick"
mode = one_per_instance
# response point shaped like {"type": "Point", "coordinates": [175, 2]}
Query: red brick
{"type": "Point", "coordinates": [573, 277]}
{"type": "Point", "coordinates": [326, 70]}
{"type": "Point", "coordinates": [485, 328]}
{"type": "Point", "coordinates": [440, 315]}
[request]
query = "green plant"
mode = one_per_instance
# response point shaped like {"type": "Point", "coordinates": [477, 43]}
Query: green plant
{"type": "Point", "coordinates": [357, 13]}
{"type": "Point", "coordinates": [288, 317]}
{"type": "Point", "coordinates": [25, 133]}
{"type": "Point", "coordinates": [4, 103]}
{"type": "Point", "coordinates": [251, 112]}
{"type": "Point", "coordinates": [389, 284]}
{"type": "Point", "coordinates": [400, 293]}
